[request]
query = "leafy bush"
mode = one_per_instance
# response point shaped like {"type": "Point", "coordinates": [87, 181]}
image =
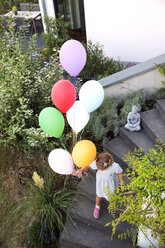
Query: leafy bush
{"type": "Point", "coordinates": [104, 122]}
{"type": "Point", "coordinates": [5, 5]}
{"type": "Point", "coordinates": [161, 69]}
{"type": "Point", "coordinates": [56, 36]}
{"type": "Point", "coordinates": [25, 86]}
{"type": "Point", "coordinates": [98, 65]}
{"type": "Point", "coordinates": [141, 202]}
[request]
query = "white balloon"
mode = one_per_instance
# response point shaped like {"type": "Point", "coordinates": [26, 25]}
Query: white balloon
{"type": "Point", "coordinates": [91, 95]}
{"type": "Point", "coordinates": [61, 161]}
{"type": "Point", "coordinates": [77, 117]}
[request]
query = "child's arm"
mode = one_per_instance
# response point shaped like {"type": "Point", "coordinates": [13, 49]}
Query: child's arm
{"type": "Point", "coordinates": [120, 175]}
{"type": "Point", "coordinates": [84, 168]}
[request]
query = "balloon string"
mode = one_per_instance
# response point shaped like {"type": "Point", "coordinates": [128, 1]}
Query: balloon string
{"type": "Point", "coordinates": [75, 81]}
{"type": "Point", "coordinates": [67, 132]}
{"type": "Point", "coordinates": [63, 144]}
{"type": "Point", "coordinates": [74, 138]}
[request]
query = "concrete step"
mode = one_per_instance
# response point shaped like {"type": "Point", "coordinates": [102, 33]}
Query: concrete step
{"type": "Point", "coordinates": [83, 235]}
{"type": "Point", "coordinates": [83, 211]}
{"type": "Point", "coordinates": [153, 124]}
{"type": "Point", "coordinates": [161, 107]}
{"type": "Point", "coordinates": [88, 186]}
{"type": "Point", "coordinates": [65, 246]}
{"type": "Point", "coordinates": [136, 139]}
{"type": "Point", "coordinates": [118, 148]}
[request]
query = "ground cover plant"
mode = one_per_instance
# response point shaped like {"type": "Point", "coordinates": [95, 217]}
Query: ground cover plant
{"type": "Point", "coordinates": [141, 202]}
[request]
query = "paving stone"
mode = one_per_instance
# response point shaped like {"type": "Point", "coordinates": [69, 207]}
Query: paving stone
{"type": "Point", "coordinates": [79, 234]}
{"type": "Point", "coordinates": [88, 185]}
{"type": "Point", "coordinates": [83, 211]}
{"type": "Point", "coordinates": [153, 124]}
{"type": "Point", "coordinates": [118, 148]}
{"type": "Point", "coordinates": [137, 139]}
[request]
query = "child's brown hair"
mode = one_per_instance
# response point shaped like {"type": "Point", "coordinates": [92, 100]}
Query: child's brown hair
{"type": "Point", "coordinates": [104, 160]}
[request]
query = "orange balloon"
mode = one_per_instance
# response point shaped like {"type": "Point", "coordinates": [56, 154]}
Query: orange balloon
{"type": "Point", "coordinates": [84, 152]}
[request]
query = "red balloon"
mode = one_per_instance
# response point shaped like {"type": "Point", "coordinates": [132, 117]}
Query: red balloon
{"type": "Point", "coordinates": [63, 95]}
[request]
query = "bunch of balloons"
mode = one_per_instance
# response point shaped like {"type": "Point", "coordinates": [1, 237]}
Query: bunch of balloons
{"type": "Point", "coordinates": [63, 95]}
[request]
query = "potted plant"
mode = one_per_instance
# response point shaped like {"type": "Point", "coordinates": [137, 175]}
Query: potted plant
{"type": "Point", "coordinates": [14, 9]}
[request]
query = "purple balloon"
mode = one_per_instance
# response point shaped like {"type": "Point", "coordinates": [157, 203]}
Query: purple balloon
{"type": "Point", "coordinates": [73, 57]}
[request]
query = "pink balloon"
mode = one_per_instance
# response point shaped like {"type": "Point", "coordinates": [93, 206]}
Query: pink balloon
{"type": "Point", "coordinates": [61, 161]}
{"type": "Point", "coordinates": [73, 57]}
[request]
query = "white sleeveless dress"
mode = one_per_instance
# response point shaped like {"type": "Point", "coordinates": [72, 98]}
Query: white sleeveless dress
{"type": "Point", "coordinates": [106, 178]}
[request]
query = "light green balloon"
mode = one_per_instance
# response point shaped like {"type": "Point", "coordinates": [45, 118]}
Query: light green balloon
{"type": "Point", "coordinates": [52, 121]}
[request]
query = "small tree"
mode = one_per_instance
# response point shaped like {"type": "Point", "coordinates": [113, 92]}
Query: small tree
{"type": "Point", "coordinates": [141, 202]}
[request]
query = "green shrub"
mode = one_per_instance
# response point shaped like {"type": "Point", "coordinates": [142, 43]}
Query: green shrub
{"type": "Point", "coordinates": [161, 69]}
{"type": "Point", "coordinates": [141, 202]}
{"type": "Point", "coordinates": [25, 87]}
{"type": "Point", "coordinates": [104, 122]}
{"type": "Point", "coordinates": [97, 64]}
{"type": "Point", "coordinates": [5, 5]}
{"type": "Point", "coordinates": [57, 34]}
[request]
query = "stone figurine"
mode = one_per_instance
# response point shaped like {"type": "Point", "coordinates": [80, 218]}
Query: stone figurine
{"type": "Point", "coordinates": [133, 120]}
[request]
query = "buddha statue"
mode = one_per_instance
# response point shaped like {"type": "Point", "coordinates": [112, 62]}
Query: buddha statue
{"type": "Point", "coordinates": [133, 120]}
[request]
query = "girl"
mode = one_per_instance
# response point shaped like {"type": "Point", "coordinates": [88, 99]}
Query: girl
{"type": "Point", "coordinates": [108, 175]}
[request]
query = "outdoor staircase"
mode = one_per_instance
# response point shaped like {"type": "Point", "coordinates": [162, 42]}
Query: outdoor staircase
{"type": "Point", "coordinates": [86, 232]}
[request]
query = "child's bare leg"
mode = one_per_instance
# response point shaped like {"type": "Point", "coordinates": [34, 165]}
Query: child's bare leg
{"type": "Point", "coordinates": [98, 200]}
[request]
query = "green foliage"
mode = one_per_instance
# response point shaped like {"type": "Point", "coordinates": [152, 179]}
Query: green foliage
{"type": "Point", "coordinates": [46, 205]}
{"type": "Point", "coordinates": [14, 8]}
{"type": "Point", "coordinates": [161, 69]}
{"type": "Point", "coordinates": [111, 66]}
{"type": "Point", "coordinates": [104, 122]}
{"type": "Point", "coordinates": [5, 5]}
{"type": "Point", "coordinates": [37, 239]}
{"type": "Point", "coordinates": [141, 202]}
{"type": "Point", "coordinates": [25, 86]}
{"type": "Point", "coordinates": [98, 65]}
{"type": "Point", "coordinates": [25, 1]}
{"type": "Point", "coordinates": [57, 34]}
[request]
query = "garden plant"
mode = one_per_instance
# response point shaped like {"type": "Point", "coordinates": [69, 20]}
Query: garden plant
{"type": "Point", "coordinates": [141, 202]}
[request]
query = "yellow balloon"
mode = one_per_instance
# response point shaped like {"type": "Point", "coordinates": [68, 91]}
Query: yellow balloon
{"type": "Point", "coordinates": [84, 152]}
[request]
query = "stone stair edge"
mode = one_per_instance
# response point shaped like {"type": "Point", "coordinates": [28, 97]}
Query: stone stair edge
{"type": "Point", "coordinates": [84, 229]}
{"type": "Point", "coordinates": [134, 139]}
{"type": "Point", "coordinates": [154, 129]}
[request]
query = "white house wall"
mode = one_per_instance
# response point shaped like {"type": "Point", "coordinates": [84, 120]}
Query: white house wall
{"type": "Point", "coordinates": [129, 30]}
